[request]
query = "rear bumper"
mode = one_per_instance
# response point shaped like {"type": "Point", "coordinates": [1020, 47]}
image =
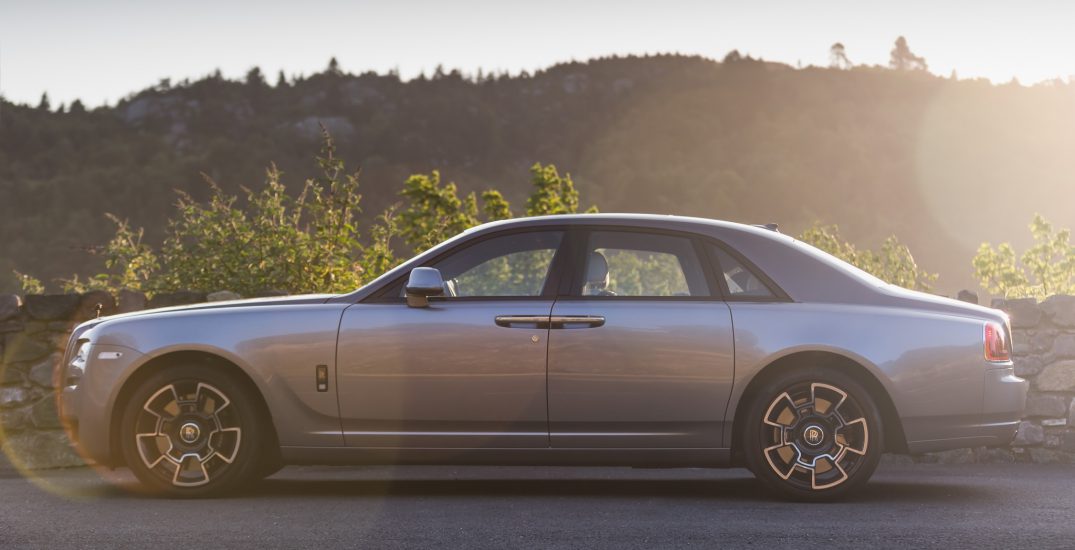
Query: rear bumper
{"type": "Point", "coordinates": [1003, 403]}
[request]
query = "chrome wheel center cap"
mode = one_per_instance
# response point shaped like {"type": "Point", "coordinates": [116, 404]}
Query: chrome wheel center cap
{"type": "Point", "coordinates": [189, 432]}
{"type": "Point", "coordinates": [813, 435]}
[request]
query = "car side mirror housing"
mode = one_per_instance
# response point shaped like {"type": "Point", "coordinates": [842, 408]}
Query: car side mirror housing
{"type": "Point", "coordinates": [423, 283]}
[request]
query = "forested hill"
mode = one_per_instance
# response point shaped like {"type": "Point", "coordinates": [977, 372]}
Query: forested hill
{"type": "Point", "coordinates": [942, 163]}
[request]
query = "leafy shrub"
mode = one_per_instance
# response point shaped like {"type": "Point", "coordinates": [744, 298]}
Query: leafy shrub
{"type": "Point", "coordinates": [312, 243]}
{"type": "Point", "coordinates": [29, 284]}
{"type": "Point", "coordinates": [893, 263]}
{"type": "Point", "coordinates": [1045, 269]}
{"type": "Point", "coordinates": [130, 262]}
{"type": "Point", "coordinates": [309, 243]}
{"type": "Point", "coordinates": [304, 244]}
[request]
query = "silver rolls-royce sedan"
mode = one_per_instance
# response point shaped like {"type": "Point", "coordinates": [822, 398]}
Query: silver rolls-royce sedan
{"type": "Point", "coordinates": [628, 340]}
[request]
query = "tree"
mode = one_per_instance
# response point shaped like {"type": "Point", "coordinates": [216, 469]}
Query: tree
{"type": "Point", "coordinates": [552, 194]}
{"type": "Point", "coordinates": [893, 263]}
{"type": "Point", "coordinates": [902, 59]}
{"type": "Point", "coordinates": [838, 57]}
{"type": "Point", "coordinates": [44, 104]}
{"type": "Point", "coordinates": [434, 212]}
{"type": "Point", "coordinates": [733, 56]}
{"type": "Point", "coordinates": [1045, 269]}
{"type": "Point", "coordinates": [77, 107]}
{"type": "Point", "coordinates": [333, 66]}
{"type": "Point", "coordinates": [281, 79]}
{"type": "Point", "coordinates": [254, 77]}
{"type": "Point", "coordinates": [495, 206]}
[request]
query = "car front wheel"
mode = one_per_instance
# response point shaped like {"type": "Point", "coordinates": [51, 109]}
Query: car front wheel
{"type": "Point", "coordinates": [191, 431]}
{"type": "Point", "coordinates": [812, 434]}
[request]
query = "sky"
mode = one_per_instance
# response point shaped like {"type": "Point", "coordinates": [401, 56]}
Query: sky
{"type": "Point", "coordinates": [103, 50]}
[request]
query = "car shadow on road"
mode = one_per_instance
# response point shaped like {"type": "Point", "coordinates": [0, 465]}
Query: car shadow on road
{"type": "Point", "coordinates": [692, 486]}
{"type": "Point", "coordinates": [738, 489]}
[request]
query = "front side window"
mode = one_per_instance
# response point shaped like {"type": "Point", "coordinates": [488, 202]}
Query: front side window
{"type": "Point", "coordinates": [514, 265]}
{"type": "Point", "coordinates": [630, 264]}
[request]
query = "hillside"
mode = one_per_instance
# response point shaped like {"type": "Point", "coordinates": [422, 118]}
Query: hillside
{"type": "Point", "coordinates": [942, 163]}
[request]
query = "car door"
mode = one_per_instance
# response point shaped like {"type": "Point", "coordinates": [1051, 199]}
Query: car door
{"type": "Point", "coordinates": [469, 370]}
{"type": "Point", "coordinates": [641, 349]}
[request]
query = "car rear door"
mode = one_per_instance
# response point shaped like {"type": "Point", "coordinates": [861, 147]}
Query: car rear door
{"type": "Point", "coordinates": [641, 347]}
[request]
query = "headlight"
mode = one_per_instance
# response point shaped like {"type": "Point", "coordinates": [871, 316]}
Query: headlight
{"type": "Point", "coordinates": [77, 367]}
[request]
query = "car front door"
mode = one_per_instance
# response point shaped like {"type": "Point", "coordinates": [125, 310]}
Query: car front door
{"type": "Point", "coordinates": [641, 350]}
{"type": "Point", "coordinates": [469, 370]}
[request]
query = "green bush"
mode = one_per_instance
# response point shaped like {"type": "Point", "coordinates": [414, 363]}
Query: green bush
{"type": "Point", "coordinates": [310, 243]}
{"type": "Point", "coordinates": [893, 263]}
{"type": "Point", "coordinates": [272, 241]}
{"type": "Point", "coordinates": [1045, 269]}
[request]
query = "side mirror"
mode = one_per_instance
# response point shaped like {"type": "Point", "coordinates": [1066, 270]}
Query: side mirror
{"type": "Point", "coordinates": [423, 283]}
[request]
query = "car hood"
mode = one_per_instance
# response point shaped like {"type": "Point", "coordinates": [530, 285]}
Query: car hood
{"type": "Point", "coordinates": [251, 302]}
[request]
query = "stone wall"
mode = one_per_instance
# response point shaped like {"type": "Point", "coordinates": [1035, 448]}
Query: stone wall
{"type": "Point", "coordinates": [34, 330]}
{"type": "Point", "coordinates": [1044, 347]}
{"type": "Point", "coordinates": [33, 334]}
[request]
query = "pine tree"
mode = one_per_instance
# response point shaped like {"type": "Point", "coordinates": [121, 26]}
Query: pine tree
{"type": "Point", "coordinates": [838, 57]}
{"type": "Point", "coordinates": [254, 77]}
{"type": "Point", "coordinates": [903, 59]}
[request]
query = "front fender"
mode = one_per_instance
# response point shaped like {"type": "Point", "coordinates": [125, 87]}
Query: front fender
{"type": "Point", "coordinates": [277, 347]}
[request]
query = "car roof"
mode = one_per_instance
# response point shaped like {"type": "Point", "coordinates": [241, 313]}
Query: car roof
{"type": "Point", "coordinates": [667, 221]}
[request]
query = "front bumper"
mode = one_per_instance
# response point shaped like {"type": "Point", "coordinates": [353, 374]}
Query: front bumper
{"type": "Point", "coordinates": [86, 408]}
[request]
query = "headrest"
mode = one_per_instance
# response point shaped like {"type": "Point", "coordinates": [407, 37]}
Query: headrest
{"type": "Point", "coordinates": [597, 271]}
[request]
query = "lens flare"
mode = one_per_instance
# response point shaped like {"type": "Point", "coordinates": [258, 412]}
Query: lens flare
{"type": "Point", "coordinates": [26, 450]}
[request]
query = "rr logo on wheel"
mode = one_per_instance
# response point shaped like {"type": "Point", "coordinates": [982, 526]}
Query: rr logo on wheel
{"type": "Point", "coordinates": [813, 435]}
{"type": "Point", "coordinates": [189, 432]}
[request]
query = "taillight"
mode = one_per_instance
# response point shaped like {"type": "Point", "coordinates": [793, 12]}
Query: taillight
{"type": "Point", "coordinates": [997, 346]}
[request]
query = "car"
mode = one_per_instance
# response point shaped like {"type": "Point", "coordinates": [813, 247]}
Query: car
{"type": "Point", "coordinates": [581, 340]}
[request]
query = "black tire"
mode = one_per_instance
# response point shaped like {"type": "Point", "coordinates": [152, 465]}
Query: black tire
{"type": "Point", "coordinates": [826, 449]}
{"type": "Point", "coordinates": [192, 431]}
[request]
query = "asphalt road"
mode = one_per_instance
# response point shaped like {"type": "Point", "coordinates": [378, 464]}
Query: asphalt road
{"type": "Point", "coordinates": [906, 506]}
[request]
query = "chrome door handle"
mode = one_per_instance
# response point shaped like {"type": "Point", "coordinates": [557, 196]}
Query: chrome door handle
{"type": "Point", "coordinates": [576, 321]}
{"type": "Point", "coordinates": [522, 321]}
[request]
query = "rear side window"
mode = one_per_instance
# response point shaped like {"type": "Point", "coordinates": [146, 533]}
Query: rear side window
{"type": "Point", "coordinates": [741, 281]}
{"type": "Point", "coordinates": [630, 264]}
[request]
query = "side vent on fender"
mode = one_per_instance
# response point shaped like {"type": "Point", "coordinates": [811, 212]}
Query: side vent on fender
{"type": "Point", "coordinates": [322, 378]}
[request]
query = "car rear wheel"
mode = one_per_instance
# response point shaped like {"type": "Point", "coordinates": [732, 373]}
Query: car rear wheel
{"type": "Point", "coordinates": [191, 431]}
{"type": "Point", "coordinates": [812, 434]}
